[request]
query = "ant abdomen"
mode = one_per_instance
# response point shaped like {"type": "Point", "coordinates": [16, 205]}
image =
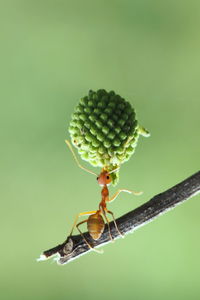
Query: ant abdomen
{"type": "Point", "coordinates": [95, 225]}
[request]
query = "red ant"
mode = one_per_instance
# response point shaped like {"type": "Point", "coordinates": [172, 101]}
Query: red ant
{"type": "Point", "coordinates": [95, 222]}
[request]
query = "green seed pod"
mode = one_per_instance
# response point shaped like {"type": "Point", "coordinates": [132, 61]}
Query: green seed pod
{"type": "Point", "coordinates": [105, 130]}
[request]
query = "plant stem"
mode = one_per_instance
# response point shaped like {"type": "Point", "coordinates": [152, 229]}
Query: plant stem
{"type": "Point", "coordinates": [75, 245]}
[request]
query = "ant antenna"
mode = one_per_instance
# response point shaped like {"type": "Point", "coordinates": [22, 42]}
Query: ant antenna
{"type": "Point", "coordinates": [76, 160]}
{"type": "Point", "coordinates": [115, 170]}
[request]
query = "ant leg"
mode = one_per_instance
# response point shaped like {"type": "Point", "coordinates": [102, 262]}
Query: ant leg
{"type": "Point", "coordinates": [110, 212]}
{"type": "Point", "coordinates": [123, 190]}
{"type": "Point", "coordinates": [108, 222]}
{"type": "Point", "coordinates": [76, 159]}
{"type": "Point", "coordinates": [87, 213]}
{"type": "Point", "coordinates": [92, 248]}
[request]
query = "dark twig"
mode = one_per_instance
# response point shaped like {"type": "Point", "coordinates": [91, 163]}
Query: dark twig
{"type": "Point", "coordinates": [75, 246]}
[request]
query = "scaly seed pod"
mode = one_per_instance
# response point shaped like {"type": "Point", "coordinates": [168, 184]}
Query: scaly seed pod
{"type": "Point", "coordinates": [105, 130]}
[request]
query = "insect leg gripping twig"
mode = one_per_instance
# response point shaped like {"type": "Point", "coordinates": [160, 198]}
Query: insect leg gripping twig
{"type": "Point", "coordinates": [88, 213]}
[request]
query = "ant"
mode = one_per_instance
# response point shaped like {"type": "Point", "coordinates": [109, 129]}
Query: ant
{"type": "Point", "coordinates": [95, 222]}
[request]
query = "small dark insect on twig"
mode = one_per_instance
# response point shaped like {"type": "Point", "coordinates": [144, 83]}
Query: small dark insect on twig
{"type": "Point", "coordinates": [75, 245]}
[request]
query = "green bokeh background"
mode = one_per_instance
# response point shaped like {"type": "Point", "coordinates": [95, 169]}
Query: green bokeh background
{"type": "Point", "coordinates": [52, 53]}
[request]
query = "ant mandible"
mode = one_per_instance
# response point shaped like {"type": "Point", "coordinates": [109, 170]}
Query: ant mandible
{"type": "Point", "coordinates": [95, 222]}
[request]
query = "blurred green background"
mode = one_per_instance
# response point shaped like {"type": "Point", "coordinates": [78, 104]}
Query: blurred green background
{"type": "Point", "coordinates": [52, 53]}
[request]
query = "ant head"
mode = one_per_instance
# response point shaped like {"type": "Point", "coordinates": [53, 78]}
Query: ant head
{"type": "Point", "coordinates": [104, 178]}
